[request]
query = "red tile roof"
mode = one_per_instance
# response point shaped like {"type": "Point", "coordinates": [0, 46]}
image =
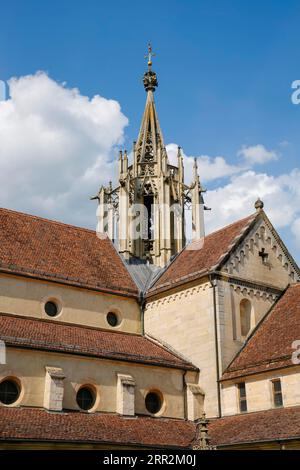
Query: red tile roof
{"type": "Point", "coordinates": [270, 345]}
{"type": "Point", "coordinates": [202, 255]}
{"type": "Point", "coordinates": [51, 335]}
{"type": "Point", "coordinates": [40, 425]}
{"type": "Point", "coordinates": [46, 249]}
{"type": "Point", "coordinates": [275, 424]}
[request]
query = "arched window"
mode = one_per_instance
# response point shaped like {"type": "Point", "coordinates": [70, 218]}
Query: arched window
{"type": "Point", "coordinates": [245, 316]}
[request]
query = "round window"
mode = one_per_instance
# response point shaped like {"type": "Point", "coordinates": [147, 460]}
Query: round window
{"type": "Point", "coordinates": [51, 308]}
{"type": "Point", "coordinates": [85, 398]}
{"type": "Point", "coordinates": [9, 392]}
{"type": "Point", "coordinates": [112, 319]}
{"type": "Point", "coordinates": [153, 402]}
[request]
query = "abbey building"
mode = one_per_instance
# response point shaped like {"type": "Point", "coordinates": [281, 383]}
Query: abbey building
{"type": "Point", "coordinates": [124, 338]}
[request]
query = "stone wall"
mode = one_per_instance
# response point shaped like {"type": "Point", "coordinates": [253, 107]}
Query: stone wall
{"type": "Point", "coordinates": [185, 321]}
{"type": "Point", "coordinates": [259, 391]}
{"type": "Point", "coordinates": [31, 368]}
{"type": "Point", "coordinates": [27, 297]}
{"type": "Point", "coordinates": [229, 298]}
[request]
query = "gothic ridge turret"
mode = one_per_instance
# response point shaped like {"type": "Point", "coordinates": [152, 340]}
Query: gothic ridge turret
{"type": "Point", "coordinates": [150, 201]}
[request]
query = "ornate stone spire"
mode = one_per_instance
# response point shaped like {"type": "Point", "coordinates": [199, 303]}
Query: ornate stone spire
{"type": "Point", "coordinates": [150, 146]}
{"type": "Point", "coordinates": [149, 201]}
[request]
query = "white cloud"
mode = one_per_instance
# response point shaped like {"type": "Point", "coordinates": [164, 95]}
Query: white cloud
{"type": "Point", "coordinates": [257, 154]}
{"type": "Point", "coordinates": [284, 143]}
{"type": "Point", "coordinates": [209, 168]}
{"type": "Point", "coordinates": [281, 196]}
{"type": "Point", "coordinates": [56, 147]}
{"type": "Point", "coordinates": [235, 196]}
{"type": "Point", "coordinates": [295, 228]}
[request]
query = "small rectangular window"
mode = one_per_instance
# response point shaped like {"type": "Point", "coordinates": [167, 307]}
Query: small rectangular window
{"type": "Point", "coordinates": [277, 393]}
{"type": "Point", "coordinates": [242, 397]}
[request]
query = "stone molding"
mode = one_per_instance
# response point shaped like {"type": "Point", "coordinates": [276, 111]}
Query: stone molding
{"type": "Point", "coordinates": [178, 296]}
{"type": "Point", "coordinates": [261, 234]}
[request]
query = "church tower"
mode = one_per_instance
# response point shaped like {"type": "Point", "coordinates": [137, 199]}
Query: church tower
{"type": "Point", "coordinates": [150, 200]}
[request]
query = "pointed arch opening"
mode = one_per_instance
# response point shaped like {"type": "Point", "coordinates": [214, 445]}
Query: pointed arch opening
{"type": "Point", "coordinates": [247, 320]}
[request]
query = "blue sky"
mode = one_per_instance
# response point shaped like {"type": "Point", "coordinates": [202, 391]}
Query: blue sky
{"type": "Point", "coordinates": [225, 68]}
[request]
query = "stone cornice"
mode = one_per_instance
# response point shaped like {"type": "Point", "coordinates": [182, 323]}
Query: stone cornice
{"type": "Point", "coordinates": [248, 283]}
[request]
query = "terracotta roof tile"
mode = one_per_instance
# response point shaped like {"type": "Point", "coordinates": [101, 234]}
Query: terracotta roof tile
{"type": "Point", "coordinates": [52, 250]}
{"type": "Point", "coordinates": [40, 425]}
{"type": "Point", "coordinates": [201, 255]}
{"type": "Point", "coordinates": [275, 424]}
{"type": "Point", "coordinates": [56, 336]}
{"type": "Point", "coordinates": [270, 345]}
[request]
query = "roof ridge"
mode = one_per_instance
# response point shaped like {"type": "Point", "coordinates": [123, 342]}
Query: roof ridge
{"type": "Point", "coordinates": [168, 284]}
{"type": "Point", "coordinates": [45, 219]}
{"type": "Point", "coordinates": [253, 215]}
{"type": "Point", "coordinates": [280, 241]}
{"type": "Point", "coordinates": [259, 363]}
{"type": "Point", "coordinates": [88, 259]}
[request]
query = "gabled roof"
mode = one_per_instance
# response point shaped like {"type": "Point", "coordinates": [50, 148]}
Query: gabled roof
{"type": "Point", "coordinates": [211, 252]}
{"type": "Point", "coordinates": [261, 426]}
{"type": "Point", "coordinates": [55, 251]}
{"type": "Point", "coordinates": [270, 345]}
{"type": "Point", "coordinates": [49, 335]}
{"type": "Point", "coordinates": [202, 256]}
{"type": "Point", "coordinates": [37, 425]}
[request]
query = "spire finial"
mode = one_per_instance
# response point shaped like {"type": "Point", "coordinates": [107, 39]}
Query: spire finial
{"type": "Point", "coordinates": [259, 205]}
{"type": "Point", "coordinates": [150, 79]}
{"type": "Point", "coordinates": [179, 155]}
{"type": "Point", "coordinates": [149, 55]}
{"type": "Point", "coordinates": [195, 169]}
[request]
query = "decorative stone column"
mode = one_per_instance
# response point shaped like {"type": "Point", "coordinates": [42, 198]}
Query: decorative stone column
{"type": "Point", "coordinates": [125, 395]}
{"type": "Point", "coordinates": [202, 439]}
{"type": "Point", "coordinates": [195, 401]}
{"type": "Point", "coordinates": [54, 388]}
